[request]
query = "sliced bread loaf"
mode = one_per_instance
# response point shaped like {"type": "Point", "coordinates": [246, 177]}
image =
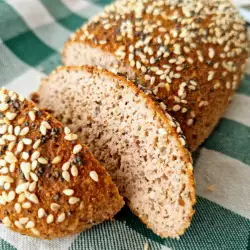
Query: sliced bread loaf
{"type": "Point", "coordinates": [140, 145]}
{"type": "Point", "coordinates": [51, 185]}
{"type": "Point", "coordinates": [189, 54]}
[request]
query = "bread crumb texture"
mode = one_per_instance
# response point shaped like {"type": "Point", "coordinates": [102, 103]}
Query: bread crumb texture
{"type": "Point", "coordinates": [139, 144]}
{"type": "Point", "coordinates": [50, 184]}
{"type": "Point", "coordinates": [189, 55]}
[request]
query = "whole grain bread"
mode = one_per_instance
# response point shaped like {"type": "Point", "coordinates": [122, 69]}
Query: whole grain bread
{"type": "Point", "coordinates": [189, 54]}
{"type": "Point", "coordinates": [51, 185]}
{"type": "Point", "coordinates": [140, 145]}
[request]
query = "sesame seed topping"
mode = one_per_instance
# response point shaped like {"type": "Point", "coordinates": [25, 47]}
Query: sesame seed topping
{"type": "Point", "coordinates": [56, 160]}
{"type": "Point", "coordinates": [68, 192]}
{"type": "Point", "coordinates": [6, 221]}
{"type": "Point", "coordinates": [190, 122]}
{"type": "Point", "coordinates": [3, 107]}
{"type": "Point", "coordinates": [23, 220]}
{"type": "Point", "coordinates": [71, 137]}
{"type": "Point", "coordinates": [33, 198]}
{"type": "Point", "coordinates": [73, 200]}
{"type": "Point", "coordinates": [93, 175]}
{"type": "Point", "coordinates": [34, 176]}
{"type": "Point", "coordinates": [21, 198]}
{"type": "Point", "coordinates": [30, 224]}
{"type": "Point", "coordinates": [77, 148]}
{"type": "Point", "coordinates": [25, 155]}
{"type": "Point", "coordinates": [10, 116]}
{"type": "Point", "coordinates": [211, 53]}
{"type": "Point", "coordinates": [32, 186]}
{"type": "Point", "coordinates": [18, 224]}
{"type": "Point", "coordinates": [61, 217]}
{"type": "Point", "coordinates": [54, 206]}
{"type": "Point", "coordinates": [43, 130]}
{"type": "Point", "coordinates": [35, 231]}
{"type": "Point", "coordinates": [11, 196]}
{"type": "Point", "coordinates": [74, 170]}
{"type": "Point", "coordinates": [20, 147]}
{"type": "Point", "coordinates": [24, 131]}
{"type": "Point", "coordinates": [27, 141]}
{"type": "Point", "coordinates": [3, 129]}
{"type": "Point", "coordinates": [176, 108]}
{"type": "Point", "coordinates": [50, 218]}
{"type": "Point", "coordinates": [42, 160]}
{"type": "Point", "coordinates": [18, 208]}
{"type": "Point", "coordinates": [210, 75]}
{"type": "Point", "coordinates": [41, 213]}
{"type": "Point", "coordinates": [35, 155]}
{"type": "Point", "coordinates": [36, 144]}
{"type": "Point", "coordinates": [32, 115]}
{"type": "Point", "coordinates": [66, 176]}
{"type": "Point", "coordinates": [10, 158]}
{"type": "Point", "coordinates": [65, 166]}
{"type": "Point", "coordinates": [22, 187]}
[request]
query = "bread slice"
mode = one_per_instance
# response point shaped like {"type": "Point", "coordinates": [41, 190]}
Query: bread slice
{"type": "Point", "coordinates": [51, 185]}
{"type": "Point", "coordinates": [140, 145]}
{"type": "Point", "coordinates": [189, 54]}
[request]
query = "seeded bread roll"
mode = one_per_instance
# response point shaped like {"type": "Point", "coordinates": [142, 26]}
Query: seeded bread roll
{"type": "Point", "coordinates": [189, 54]}
{"type": "Point", "coordinates": [139, 144]}
{"type": "Point", "coordinates": [51, 185]}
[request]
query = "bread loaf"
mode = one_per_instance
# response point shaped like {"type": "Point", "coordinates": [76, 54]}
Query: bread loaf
{"type": "Point", "coordinates": [139, 144]}
{"type": "Point", "coordinates": [189, 54]}
{"type": "Point", "coordinates": [51, 185]}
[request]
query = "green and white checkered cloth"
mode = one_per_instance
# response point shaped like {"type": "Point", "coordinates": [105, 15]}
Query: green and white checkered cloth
{"type": "Point", "coordinates": [32, 34]}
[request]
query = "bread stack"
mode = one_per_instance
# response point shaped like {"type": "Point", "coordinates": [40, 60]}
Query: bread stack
{"type": "Point", "coordinates": [173, 68]}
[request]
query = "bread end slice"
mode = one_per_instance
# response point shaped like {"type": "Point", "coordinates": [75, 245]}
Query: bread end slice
{"type": "Point", "coordinates": [141, 146]}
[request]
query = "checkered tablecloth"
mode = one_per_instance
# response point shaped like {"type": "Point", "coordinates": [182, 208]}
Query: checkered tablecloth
{"type": "Point", "coordinates": [32, 34]}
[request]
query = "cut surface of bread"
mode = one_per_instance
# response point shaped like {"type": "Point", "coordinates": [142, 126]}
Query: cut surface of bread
{"type": "Point", "coordinates": [51, 185]}
{"type": "Point", "coordinates": [139, 144]}
{"type": "Point", "coordinates": [189, 54]}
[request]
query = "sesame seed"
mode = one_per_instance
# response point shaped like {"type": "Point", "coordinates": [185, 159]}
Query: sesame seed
{"type": "Point", "coordinates": [74, 170]}
{"type": "Point", "coordinates": [34, 164]}
{"type": "Point", "coordinates": [66, 176]}
{"type": "Point", "coordinates": [228, 85]}
{"type": "Point", "coordinates": [10, 137]}
{"type": "Point", "coordinates": [2, 201]}
{"type": "Point", "coordinates": [41, 213]}
{"type": "Point", "coordinates": [61, 217]}
{"type": "Point", "coordinates": [18, 208]}
{"type": "Point", "coordinates": [177, 49]}
{"type": "Point", "coordinates": [184, 110]}
{"type": "Point", "coordinates": [32, 115]}
{"type": "Point", "coordinates": [11, 145]}
{"type": "Point", "coordinates": [35, 155]}
{"type": "Point", "coordinates": [12, 167]}
{"type": "Point", "coordinates": [211, 53]}
{"type": "Point", "coordinates": [43, 130]}
{"type": "Point", "coordinates": [36, 144]}
{"type": "Point", "coordinates": [2, 163]}
{"type": "Point", "coordinates": [21, 98]}
{"type": "Point", "coordinates": [23, 220]}
{"type": "Point", "coordinates": [6, 185]}
{"type": "Point", "coordinates": [68, 192]}
{"type": "Point", "coordinates": [42, 160]}
{"type": "Point", "coordinates": [11, 196]}
{"type": "Point", "coordinates": [18, 224]}
{"type": "Point", "coordinates": [24, 131]}
{"type": "Point", "coordinates": [93, 175]}
{"type": "Point", "coordinates": [27, 141]}
{"type": "Point", "coordinates": [34, 176]}
{"type": "Point", "coordinates": [33, 198]}
{"type": "Point", "coordinates": [71, 137]}
{"type": "Point", "coordinates": [56, 160]}
{"type": "Point", "coordinates": [190, 122]}
{"type": "Point", "coordinates": [46, 124]}
{"type": "Point", "coordinates": [210, 75]}
{"type": "Point", "coordinates": [77, 148]}
{"type": "Point", "coordinates": [54, 206]}
{"type": "Point", "coordinates": [32, 186]}
{"type": "Point", "coordinates": [35, 231]}
{"type": "Point", "coordinates": [22, 187]}
{"type": "Point", "coordinates": [10, 116]}
{"type": "Point", "coordinates": [3, 107]}
{"type": "Point", "coordinates": [2, 142]}
{"type": "Point", "coordinates": [10, 129]}
{"type": "Point", "coordinates": [20, 147]}
{"type": "Point", "coordinates": [176, 108]}
{"type": "Point", "coordinates": [50, 218]}
{"type": "Point", "coordinates": [5, 178]}
{"type": "Point", "coordinates": [25, 155]}
{"type": "Point", "coordinates": [30, 224]}
{"type": "Point", "coordinates": [21, 198]}
{"type": "Point", "coordinates": [6, 221]}
{"type": "Point", "coordinates": [10, 158]}
{"type": "Point", "coordinates": [73, 200]}
{"type": "Point", "coordinates": [65, 166]}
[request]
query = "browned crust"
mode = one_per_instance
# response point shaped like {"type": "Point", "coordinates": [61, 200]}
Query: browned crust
{"type": "Point", "coordinates": [158, 110]}
{"type": "Point", "coordinates": [206, 116]}
{"type": "Point", "coordinates": [100, 200]}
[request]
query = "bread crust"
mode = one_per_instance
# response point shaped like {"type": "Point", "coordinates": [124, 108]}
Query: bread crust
{"type": "Point", "coordinates": [210, 61]}
{"type": "Point", "coordinates": [165, 118]}
{"type": "Point", "coordinates": [60, 199]}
